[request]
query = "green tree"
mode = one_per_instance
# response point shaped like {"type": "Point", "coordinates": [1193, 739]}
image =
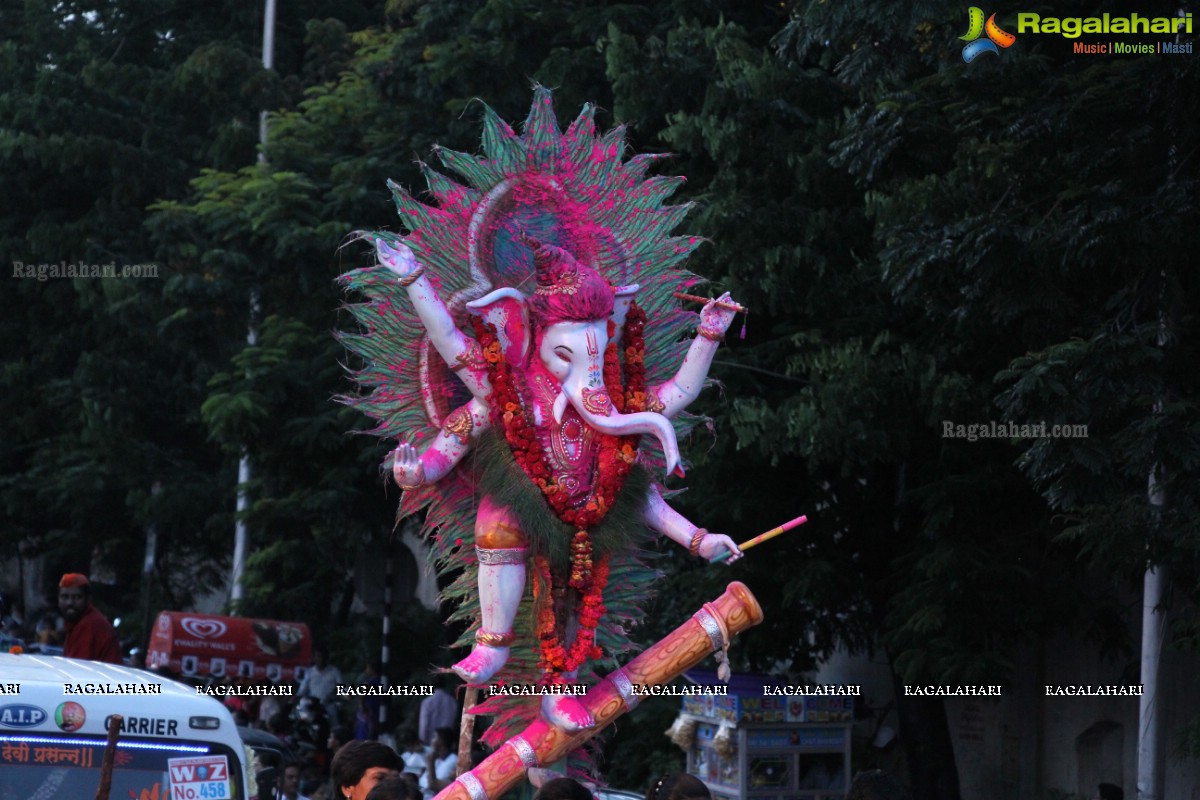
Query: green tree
{"type": "Point", "coordinates": [886, 208]}
{"type": "Point", "coordinates": [108, 107]}
{"type": "Point", "coordinates": [100, 391]}
{"type": "Point", "coordinates": [920, 241]}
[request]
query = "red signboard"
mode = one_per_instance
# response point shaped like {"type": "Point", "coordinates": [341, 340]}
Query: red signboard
{"type": "Point", "coordinates": [236, 647]}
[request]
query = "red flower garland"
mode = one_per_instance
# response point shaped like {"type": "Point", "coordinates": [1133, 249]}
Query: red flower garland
{"type": "Point", "coordinates": [555, 659]}
{"type": "Point", "coordinates": [615, 458]}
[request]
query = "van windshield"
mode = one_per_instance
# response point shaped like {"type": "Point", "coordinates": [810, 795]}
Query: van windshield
{"type": "Point", "coordinates": [67, 767]}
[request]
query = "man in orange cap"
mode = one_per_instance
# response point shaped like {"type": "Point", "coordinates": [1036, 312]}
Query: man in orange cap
{"type": "Point", "coordinates": [89, 634]}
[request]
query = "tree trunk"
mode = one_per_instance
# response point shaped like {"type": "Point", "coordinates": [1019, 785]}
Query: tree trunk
{"type": "Point", "coordinates": [925, 735]}
{"type": "Point", "coordinates": [924, 730]}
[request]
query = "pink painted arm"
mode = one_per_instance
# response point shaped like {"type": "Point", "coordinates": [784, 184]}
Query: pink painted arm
{"type": "Point", "coordinates": [458, 350]}
{"type": "Point", "coordinates": [463, 426]}
{"type": "Point", "coordinates": [676, 527]}
{"type": "Point", "coordinates": [678, 392]}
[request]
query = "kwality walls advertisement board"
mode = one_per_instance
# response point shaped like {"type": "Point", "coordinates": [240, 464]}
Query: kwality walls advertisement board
{"type": "Point", "coordinates": [200, 645]}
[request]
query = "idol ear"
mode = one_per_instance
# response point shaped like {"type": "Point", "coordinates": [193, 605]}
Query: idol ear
{"type": "Point", "coordinates": [506, 310]}
{"type": "Point", "coordinates": [622, 299]}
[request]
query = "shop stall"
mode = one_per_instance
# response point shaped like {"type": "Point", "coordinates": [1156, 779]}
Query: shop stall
{"type": "Point", "coordinates": [758, 743]}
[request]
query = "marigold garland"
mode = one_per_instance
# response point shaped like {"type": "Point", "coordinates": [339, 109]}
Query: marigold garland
{"type": "Point", "coordinates": [616, 456]}
{"type": "Point", "coordinates": [555, 659]}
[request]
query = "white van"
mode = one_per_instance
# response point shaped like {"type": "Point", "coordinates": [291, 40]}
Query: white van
{"type": "Point", "coordinates": [175, 744]}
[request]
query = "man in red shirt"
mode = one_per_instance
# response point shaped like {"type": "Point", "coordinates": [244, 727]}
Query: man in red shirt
{"type": "Point", "coordinates": [89, 634]}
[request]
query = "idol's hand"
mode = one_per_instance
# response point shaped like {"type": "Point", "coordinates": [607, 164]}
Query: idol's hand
{"type": "Point", "coordinates": [714, 544]}
{"type": "Point", "coordinates": [399, 260]}
{"type": "Point", "coordinates": [407, 468]}
{"type": "Point", "coordinates": [716, 316]}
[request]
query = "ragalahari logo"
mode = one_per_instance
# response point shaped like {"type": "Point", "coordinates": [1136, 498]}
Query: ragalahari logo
{"type": "Point", "coordinates": [996, 38]}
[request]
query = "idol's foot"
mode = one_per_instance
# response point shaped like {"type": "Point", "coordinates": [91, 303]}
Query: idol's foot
{"type": "Point", "coordinates": [483, 662]}
{"type": "Point", "coordinates": [566, 712]}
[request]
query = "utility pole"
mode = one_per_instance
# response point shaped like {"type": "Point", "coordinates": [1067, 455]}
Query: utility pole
{"type": "Point", "coordinates": [241, 535]}
{"type": "Point", "coordinates": [385, 648]}
{"type": "Point", "coordinates": [148, 561]}
{"type": "Point", "coordinates": [1154, 624]}
{"type": "Point", "coordinates": [1150, 760]}
{"type": "Point", "coordinates": [1154, 620]}
{"type": "Point", "coordinates": [268, 62]}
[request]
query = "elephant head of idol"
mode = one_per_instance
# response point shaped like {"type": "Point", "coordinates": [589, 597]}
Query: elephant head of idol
{"type": "Point", "coordinates": [570, 311]}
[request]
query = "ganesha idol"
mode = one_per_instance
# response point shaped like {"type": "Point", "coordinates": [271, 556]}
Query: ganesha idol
{"type": "Point", "coordinates": [539, 372]}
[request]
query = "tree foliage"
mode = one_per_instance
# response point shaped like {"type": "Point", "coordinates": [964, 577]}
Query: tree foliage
{"type": "Point", "coordinates": [920, 240]}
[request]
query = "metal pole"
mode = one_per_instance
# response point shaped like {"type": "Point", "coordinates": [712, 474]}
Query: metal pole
{"type": "Point", "coordinates": [384, 650]}
{"type": "Point", "coordinates": [240, 534]}
{"type": "Point", "coordinates": [1149, 775]}
{"type": "Point", "coordinates": [268, 62]}
{"type": "Point", "coordinates": [1150, 760]}
{"type": "Point", "coordinates": [1154, 623]}
{"type": "Point", "coordinates": [148, 567]}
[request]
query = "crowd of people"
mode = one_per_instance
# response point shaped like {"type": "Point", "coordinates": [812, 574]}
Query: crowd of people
{"type": "Point", "coordinates": [360, 769]}
{"type": "Point", "coordinates": [332, 751]}
{"type": "Point", "coordinates": [321, 733]}
{"type": "Point", "coordinates": [370, 771]}
{"type": "Point", "coordinates": [374, 770]}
